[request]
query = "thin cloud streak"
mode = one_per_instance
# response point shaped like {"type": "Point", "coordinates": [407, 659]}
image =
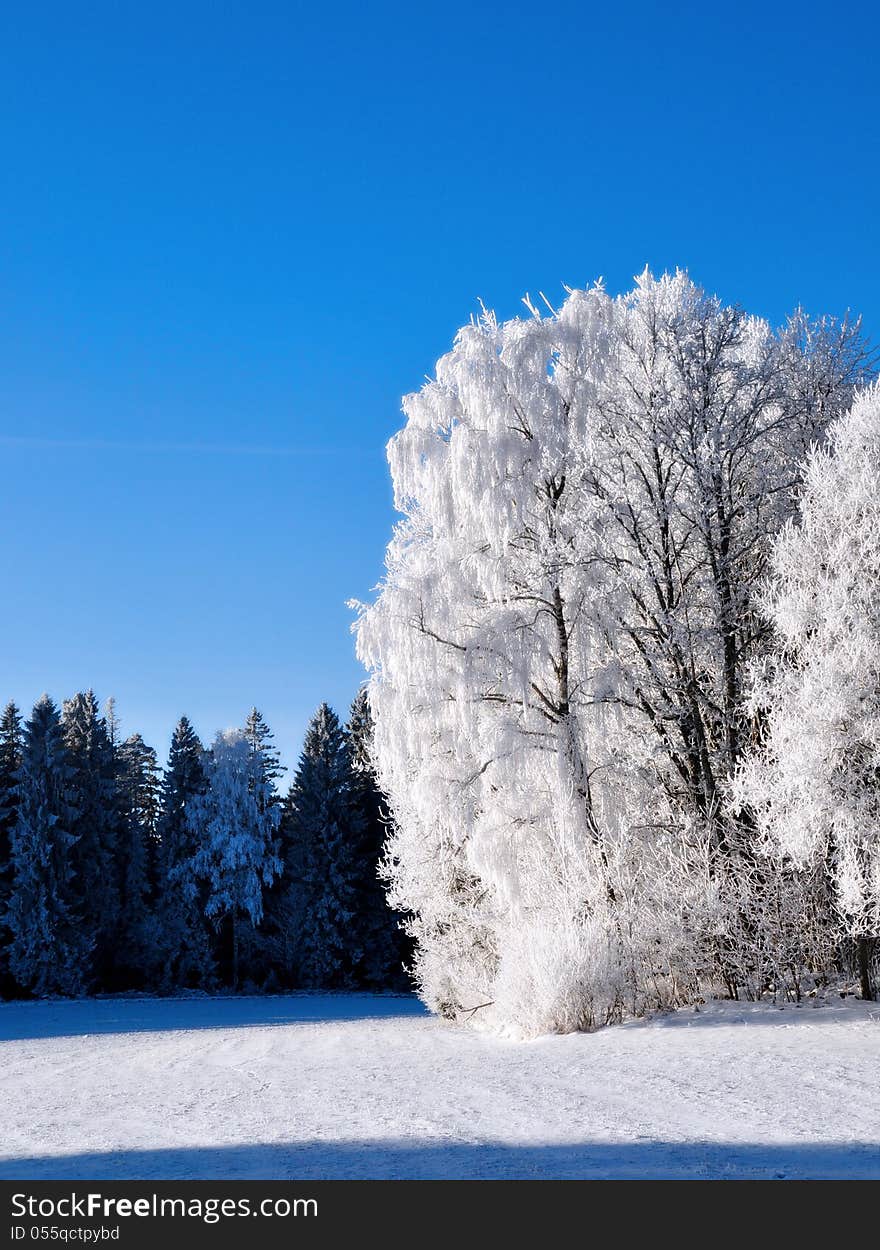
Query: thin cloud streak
{"type": "Point", "coordinates": [26, 442]}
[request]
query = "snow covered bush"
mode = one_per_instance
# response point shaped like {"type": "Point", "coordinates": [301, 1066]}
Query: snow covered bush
{"type": "Point", "coordinates": [814, 784]}
{"type": "Point", "coordinates": [558, 649]}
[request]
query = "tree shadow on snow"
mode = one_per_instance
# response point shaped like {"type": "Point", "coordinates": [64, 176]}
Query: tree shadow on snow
{"type": "Point", "coordinates": [456, 1160]}
{"type": "Point", "coordinates": [98, 1016]}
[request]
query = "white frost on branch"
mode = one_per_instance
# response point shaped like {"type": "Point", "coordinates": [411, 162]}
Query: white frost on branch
{"type": "Point", "coordinates": [814, 782]}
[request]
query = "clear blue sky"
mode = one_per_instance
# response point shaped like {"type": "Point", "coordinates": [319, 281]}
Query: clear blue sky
{"type": "Point", "coordinates": [233, 235]}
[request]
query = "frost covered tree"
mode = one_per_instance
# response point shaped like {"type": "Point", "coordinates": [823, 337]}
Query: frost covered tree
{"type": "Point", "coordinates": [96, 826]}
{"type": "Point", "coordinates": [233, 824]}
{"type": "Point", "coordinates": [264, 951]}
{"type": "Point", "coordinates": [323, 831]}
{"type": "Point", "coordinates": [10, 762]}
{"type": "Point", "coordinates": [559, 644]}
{"type": "Point", "coordinates": [814, 783]}
{"type": "Point", "coordinates": [137, 800]}
{"type": "Point", "coordinates": [184, 938]}
{"type": "Point", "coordinates": [262, 743]}
{"type": "Point", "coordinates": [51, 948]}
{"type": "Point", "coordinates": [477, 671]}
{"type": "Point", "coordinates": [699, 425]}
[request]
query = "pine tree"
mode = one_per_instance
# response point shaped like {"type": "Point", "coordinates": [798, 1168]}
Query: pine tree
{"type": "Point", "coordinates": [97, 827]}
{"type": "Point", "coordinates": [138, 788]}
{"type": "Point", "coordinates": [10, 762]}
{"type": "Point", "coordinates": [263, 948]}
{"type": "Point", "coordinates": [234, 824]}
{"type": "Point", "coordinates": [184, 938]}
{"type": "Point", "coordinates": [378, 928]}
{"type": "Point", "coordinates": [324, 831]}
{"type": "Point", "coordinates": [260, 738]}
{"type": "Point", "coordinates": [111, 718]}
{"type": "Point", "coordinates": [50, 950]}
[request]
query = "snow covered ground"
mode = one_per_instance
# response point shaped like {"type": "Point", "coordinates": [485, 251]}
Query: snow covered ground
{"type": "Point", "coordinates": [362, 1086]}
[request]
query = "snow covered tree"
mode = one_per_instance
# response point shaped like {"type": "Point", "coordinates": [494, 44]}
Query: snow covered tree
{"type": "Point", "coordinates": [558, 649]}
{"type": "Point", "coordinates": [96, 826]}
{"type": "Point", "coordinates": [51, 948]}
{"type": "Point", "coordinates": [323, 830]}
{"type": "Point", "coordinates": [261, 741]}
{"type": "Point", "coordinates": [183, 933]}
{"type": "Point", "coordinates": [137, 791]}
{"type": "Point", "coordinates": [111, 720]}
{"type": "Point", "coordinates": [473, 669]}
{"type": "Point", "coordinates": [700, 425]}
{"type": "Point", "coordinates": [378, 929]}
{"type": "Point", "coordinates": [273, 953]}
{"type": "Point", "coordinates": [814, 783]}
{"type": "Point", "coordinates": [262, 951]}
{"type": "Point", "coordinates": [10, 762]}
{"type": "Point", "coordinates": [233, 824]}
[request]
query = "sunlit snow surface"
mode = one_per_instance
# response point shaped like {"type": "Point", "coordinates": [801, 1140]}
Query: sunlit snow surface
{"type": "Point", "coordinates": [366, 1086]}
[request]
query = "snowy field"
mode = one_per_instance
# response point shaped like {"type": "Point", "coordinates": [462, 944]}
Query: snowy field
{"type": "Point", "coordinates": [363, 1086]}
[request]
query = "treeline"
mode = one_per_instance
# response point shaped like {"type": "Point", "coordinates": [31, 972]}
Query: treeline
{"type": "Point", "coordinates": [117, 875]}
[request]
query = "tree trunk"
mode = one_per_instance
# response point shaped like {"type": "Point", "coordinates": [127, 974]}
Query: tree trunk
{"type": "Point", "coordinates": [234, 953]}
{"type": "Point", "coordinates": [864, 947]}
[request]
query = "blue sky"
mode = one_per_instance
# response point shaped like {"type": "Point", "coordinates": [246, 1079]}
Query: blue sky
{"type": "Point", "coordinates": [233, 235]}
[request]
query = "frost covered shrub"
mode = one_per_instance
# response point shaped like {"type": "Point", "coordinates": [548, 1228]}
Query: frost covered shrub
{"type": "Point", "coordinates": [775, 933]}
{"type": "Point", "coordinates": [641, 947]}
{"type": "Point", "coordinates": [559, 646]}
{"type": "Point", "coordinates": [559, 977]}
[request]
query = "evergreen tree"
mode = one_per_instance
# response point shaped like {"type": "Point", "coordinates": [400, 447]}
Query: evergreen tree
{"type": "Point", "coordinates": [379, 932]}
{"type": "Point", "coordinates": [279, 928]}
{"type": "Point", "coordinates": [262, 949]}
{"type": "Point", "coordinates": [50, 948]}
{"type": "Point", "coordinates": [324, 831]}
{"type": "Point", "coordinates": [10, 762]}
{"type": "Point", "coordinates": [96, 826]}
{"type": "Point", "coordinates": [234, 823]}
{"type": "Point", "coordinates": [111, 718]}
{"type": "Point", "coordinates": [184, 939]}
{"type": "Point", "coordinates": [138, 789]}
{"type": "Point", "coordinates": [260, 739]}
